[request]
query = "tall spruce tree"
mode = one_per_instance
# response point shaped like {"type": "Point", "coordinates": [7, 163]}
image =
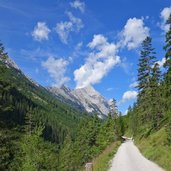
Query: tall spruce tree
{"type": "Point", "coordinates": [3, 54]}
{"type": "Point", "coordinates": [146, 62]}
{"type": "Point", "coordinates": [167, 79]}
{"type": "Point", "coordinates": [167, 65]}
{"type": "Point", "coordinates": [155, 95]}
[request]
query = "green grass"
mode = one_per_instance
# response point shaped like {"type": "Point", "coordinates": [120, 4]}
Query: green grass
{"type": "Point", "coordinates": [155, 148]}
{"type": "Point", "coordinates": [101, 162]}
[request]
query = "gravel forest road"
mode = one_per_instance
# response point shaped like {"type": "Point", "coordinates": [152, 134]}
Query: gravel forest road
{"type": "Point", "coordinates": [129, 158]}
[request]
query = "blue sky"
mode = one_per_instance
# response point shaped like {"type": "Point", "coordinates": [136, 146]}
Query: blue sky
{"type": "Point", "coordinates": [80, 43]}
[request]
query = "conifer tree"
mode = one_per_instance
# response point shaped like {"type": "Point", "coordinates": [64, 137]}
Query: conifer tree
{"type": "Point", "coordinates": [167, 65]}
{"type": "Point", "coordinates": [155, 95]}
{"type": "Point", "coordinates": [167, 79]}
{"type": "Point", "coordinates": [3, 55]}
{"type": "Point", "coordinates": [146, 62]}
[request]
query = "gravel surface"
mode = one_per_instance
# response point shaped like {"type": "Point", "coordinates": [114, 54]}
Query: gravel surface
{"type": "Point", "coordinates": [129, 158]}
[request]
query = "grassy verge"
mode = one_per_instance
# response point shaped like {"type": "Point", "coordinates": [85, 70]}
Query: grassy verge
{"type": "Point", "coordinates": [101, 162]}
{"type": "Point", "coordinates": [155, 148]}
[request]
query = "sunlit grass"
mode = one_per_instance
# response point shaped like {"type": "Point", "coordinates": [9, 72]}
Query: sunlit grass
{"type": "Point", "coordinates": [155, 148]}
{"type": "Point", "coordinates": [102, 162]}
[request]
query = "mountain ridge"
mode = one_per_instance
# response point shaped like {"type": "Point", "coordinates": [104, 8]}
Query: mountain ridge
{"type": "Point", "coordinates": [87, 98]}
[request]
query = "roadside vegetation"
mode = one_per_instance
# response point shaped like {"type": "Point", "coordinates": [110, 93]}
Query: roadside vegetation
{"type": "Point", "coordinates": [103, 161]}
{"type": "Point", "coordinates": [149, 120]}
{"type": "Point", "coordinates": [156, 148]}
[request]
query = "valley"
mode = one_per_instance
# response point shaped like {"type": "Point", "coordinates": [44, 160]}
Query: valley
{"type": "Point", "coordinates": [85, 86]}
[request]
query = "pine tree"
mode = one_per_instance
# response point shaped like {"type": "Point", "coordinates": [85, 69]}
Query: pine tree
{"type": "Point", "coordinates": [29, 122]}
{"type": "Point", "coordinates": [167, 65]}
{"type": "Point", "coordinates": [167, 79]}
{"type": "Point", "coordinates": [34, 153]}
{"type": "Point", "coordinates": [155, 95]}
{"type": "Point", "coordinates": [146, 62]}
{"type": "Point", "coordinates": [113, 108]}
{"type": "Point", "coordinates": [121, 125]}
{"type": "Point", "coordinates": [3, 54]}
{"type": "Point", "coordinates": [133, 115]}
{"type": "Point", "coordinates": [167, 47]}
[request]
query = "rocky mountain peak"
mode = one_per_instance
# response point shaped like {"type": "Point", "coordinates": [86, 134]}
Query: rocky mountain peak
{"type": "Point", "coordinates": [88, 98]}
{"type": "Point", "coordinates": [65, 88]}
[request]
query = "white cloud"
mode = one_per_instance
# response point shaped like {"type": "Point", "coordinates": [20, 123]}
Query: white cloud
{"type": "Point", "coordinates": [109, 89]}
{"type": "Point", "coordinates": [78, 5]}
{"type": "Point", "coordinates": [77, 22]}
{"type": "Point", "coordinates": [41, 31]}
{"type": "Point", "coordinates": [103, 56]}
{"type": "Point", "coordinates": [126, 66]}
{"type": "Point", "coordinates": [57, 69]}
{"type": "Point", "coordinates": [63, 29]}
{"type": "Point", "coordinates": [98, 63]}
{"type": "Point", "coordinates": [77, 52]}
{"type": "Point", "coordinates": [161, 63]}
{"type": "Point", "coordinates": [126, 112]}
{"type": "Point", "coordinates": [134, 33]}
{"type": "Point", "coordinates": [129, 95]}
{"type": "Point", "coordinates": [79, 45]}
{"type": "Point", "coordinates": [98, 40]}
{"type": "Point", "coordinates": [133, 85]}
{"type": "Point", "coordinates": [164, 15]}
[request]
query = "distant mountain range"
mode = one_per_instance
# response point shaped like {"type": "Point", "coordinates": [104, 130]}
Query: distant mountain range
{"type": "Point", "coordinates": [86, 98]}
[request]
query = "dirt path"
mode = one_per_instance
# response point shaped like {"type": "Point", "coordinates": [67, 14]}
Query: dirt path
{"type": "Point", "coordinates": [129, 158]}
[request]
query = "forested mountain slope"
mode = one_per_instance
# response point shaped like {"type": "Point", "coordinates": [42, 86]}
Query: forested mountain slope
{"type": "Point", "coordinates": [25, 96]}
{"type": "Point", "coordinates": [38, 132]}
{"type": "Point", "coordinates": [22, 102]}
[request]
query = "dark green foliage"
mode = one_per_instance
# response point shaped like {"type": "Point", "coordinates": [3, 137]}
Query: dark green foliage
{"type": "Point", "coordinates": [146, 62]}
{"type": "Point", "coordinates": [156, 96]}
{"type": "Point", "coordinates": [23, 105]}
{"type": "Point", "coordinates": [167, 47]}
{"type": "Point", "coordinates": [68, 138]}
{"type": "Point", "coordinates": [147, 113]}
{"type": "Point", "coordinates": [167, 80]}
{"type": "Point", "coordinates": [7, 146]}
{"type": "Point", "coordinates": [3, 55]}
{"type": "Point", "coordinates": [92, 138]}
{"type": "Point", "coordinates": [34, 153]}
{"type": "Point", "coordinates": [152, 110]}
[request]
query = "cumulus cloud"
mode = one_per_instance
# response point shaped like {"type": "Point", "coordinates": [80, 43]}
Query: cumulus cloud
{"type": "Point", "coordinates": [57, 69]}
{"type": "Point", "coordinates": [63, 29]}
{"type": "Point", "coordinates": [103, 55]}
{"type": "Point", "coordinates": [77, 52]}
{"type": "Point", "coordinates": [78, 5]}
{"type": "Point", "coordinates": [98, 40]}
{"type": "Point", "coordinates": [126, 112]}
{"type": "Point", "coordinates": [133, 85]}
{"type": "Point", "coordinates": [41, 31]}
{"type": "Point", "coordinates": [99, 62]}
{"type": "Point", "coordinates": [77, 22]}
{"type": "Point", "coordinates": [164, 15]}
{"type": "Point", "coordinates": [161, 63]}
{"type": "Point", "coordinates": [126, 65]}
{"type": "Point", "coordinates": [109, 89]}
{"type": "Point", "coordinates": [129, 95]}
{"type": "Point", "coordinates": [134, 33]}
